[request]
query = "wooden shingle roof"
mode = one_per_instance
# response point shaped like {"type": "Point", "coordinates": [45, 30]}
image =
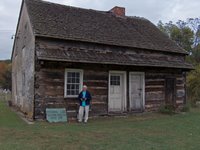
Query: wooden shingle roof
{"type": "Point", "coordinates": [71, 23]}
{"type": "Point", "coordinates": [109, 57]}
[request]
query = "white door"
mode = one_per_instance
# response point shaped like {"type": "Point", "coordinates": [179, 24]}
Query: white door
{"type": "Point", "coordinates": [116, 92]}
{"type": "Point", "coordinates": [136, 91]}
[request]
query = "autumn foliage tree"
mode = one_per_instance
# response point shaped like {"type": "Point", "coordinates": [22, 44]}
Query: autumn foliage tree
{"type": "Point", "coordinates": [5, 74]}
{"type": "Point", "coordinates": [2, 69]}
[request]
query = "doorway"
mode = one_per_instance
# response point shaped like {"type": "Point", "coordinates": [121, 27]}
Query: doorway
{"type": "Point", "coordinates": [170, 91]}
{"type": "Point", "coordinates": [117, 91]}
{"type": "Point", "coordinates": [136, 91]}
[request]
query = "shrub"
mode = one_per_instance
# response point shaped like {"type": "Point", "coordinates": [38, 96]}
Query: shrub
{"type": "Point", "coordinates": [193, 85]}
{"type": "Point", "coordinates": [167, 109]}
{"type": "Point", "coordinates": [186, 108]}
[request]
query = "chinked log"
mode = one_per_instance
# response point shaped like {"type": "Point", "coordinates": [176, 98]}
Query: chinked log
{"type": "Point", "coordinates": [154, 95]}
{"type": "Point", "coordinates": [152, 82]}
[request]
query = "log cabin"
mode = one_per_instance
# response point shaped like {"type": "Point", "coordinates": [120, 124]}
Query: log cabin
{"type": "Point", "coordinates": [127, 63]}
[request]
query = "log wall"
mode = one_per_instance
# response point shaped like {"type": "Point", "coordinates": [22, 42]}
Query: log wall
{"type": "Point", "coordinates": [49, 91]}
{"type": "Point", "coordinates": [49, 87]}
{"type": "Point", "coordinates": [155, 89]}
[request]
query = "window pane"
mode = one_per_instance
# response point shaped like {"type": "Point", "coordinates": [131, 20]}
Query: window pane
{"type": "Point", "coordinates": [73, 86]}
{"type": "Point", "coordinates": [77, 80]}
{"type": "Point", "coordinates": [69, 74]}
{"type": "Point", "coordinates": [115, 80]}
{"type": "Point", "coordinates": [77, 92]}
{"type": "Point", "coordinates": [73, 80]}
{"type": "Point", "coordinates": [72, 92]}
{"type": "Point", "coordinates": [77, 86]}
{"type": "Point", "coordinates": [111, 78]}
{"type": "Point", "coordinates": [73, 74]}
{"type": "Point", "coordinates": [77, 75]}
{"type": "Point", "coordinates": [68, 92]}
{"type": "Point", "coordinates": [68, 86]}
{"type": "Point", "coordinates": [69, 80]}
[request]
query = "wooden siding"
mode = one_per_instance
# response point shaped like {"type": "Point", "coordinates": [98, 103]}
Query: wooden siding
{"type": "Point", "coordinates": [49, 91]}
{"type": "Point", "coordinates": [155, 89]}
{"type": "Point", "coordinates": [49, 87]}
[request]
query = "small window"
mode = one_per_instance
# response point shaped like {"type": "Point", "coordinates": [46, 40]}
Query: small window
{"type": "Point", "coordinates": [115, 80]}
{"type": "Point", "coordinates": [73, 82]}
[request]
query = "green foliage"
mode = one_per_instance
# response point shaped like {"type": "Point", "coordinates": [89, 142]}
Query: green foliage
{"type": "Point", "coordinates": [178, 32]}
{"type": "Point", "coordinates": [193, 84]}
{"type": "Point", "coordinates": [5, 74]}
{"type": "Point", "coordinates": [186, 34]}
{"type": "Point", "coordinates": [167, 109]}
{"type": "Point", "coordinates": [186, 108]}
{"type": "Point", "coordinates": [195, 57]}
{"type": "Point", "coordinates": [7, 61]}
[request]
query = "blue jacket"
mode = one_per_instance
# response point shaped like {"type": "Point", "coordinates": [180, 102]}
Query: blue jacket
{"type": "Point", "coordinates": [87, 96]}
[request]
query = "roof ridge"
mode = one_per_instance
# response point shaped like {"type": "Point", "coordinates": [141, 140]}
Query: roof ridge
{"type": "Point", "coordinates": [89, 9]}
{"type": "Point", "coordinates": [137, 17]}
{"type": "Point", "coordinates": [69, 6]}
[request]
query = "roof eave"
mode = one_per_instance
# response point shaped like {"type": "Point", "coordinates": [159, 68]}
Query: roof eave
{"type": "Point", "coordinates": [81, 40]}
{"type": "Point", "coordinates": [188, 68]}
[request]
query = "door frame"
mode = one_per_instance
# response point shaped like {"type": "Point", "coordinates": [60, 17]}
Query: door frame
{"type": "Point", "coordinates": [124, 80]}
{"type": "Point", "coordinates": [174, 92]}
{"type": "Point", "coordinates": [143, 87]}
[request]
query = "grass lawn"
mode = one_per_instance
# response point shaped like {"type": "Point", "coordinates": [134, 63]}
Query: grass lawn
{"type": "Point", "coordinates": [144, 132]}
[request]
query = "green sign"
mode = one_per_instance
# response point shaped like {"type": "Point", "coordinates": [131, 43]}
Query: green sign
{"type": "Point", "coordinates": [56, 115]}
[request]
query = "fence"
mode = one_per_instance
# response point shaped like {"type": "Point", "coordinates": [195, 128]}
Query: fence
{"type": "Point", "coordinates": [5, 96]}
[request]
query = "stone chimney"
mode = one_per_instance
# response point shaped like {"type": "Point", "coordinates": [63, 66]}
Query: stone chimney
{"type": "Point", "coordinates": [118, 11]}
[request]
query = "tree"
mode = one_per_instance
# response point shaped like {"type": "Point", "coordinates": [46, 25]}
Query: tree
{"type": "Point", "coordinates": [195, 57]}
{"type": "Point", "coordinates": [178, 32]}
{"type": "Point", "coordinates": [193, 82]}
{"type": "Point", "coordinates": [5, 74]}
{"type": "Point", "coordinates": [2, 69]}
{"type": "Point", "coordinates": [194, 24]}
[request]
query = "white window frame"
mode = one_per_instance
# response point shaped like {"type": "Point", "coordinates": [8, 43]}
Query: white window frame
{"type": "Point", "coordinates": [81, 82]}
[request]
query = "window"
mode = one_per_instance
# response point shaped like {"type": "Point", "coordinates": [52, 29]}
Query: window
{"type": "Point", "coordinates": [115, 80]}
{"type": "Point", "coordinates": [73, 82]}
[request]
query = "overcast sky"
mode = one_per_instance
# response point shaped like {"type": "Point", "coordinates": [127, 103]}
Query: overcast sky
{"type": "Point", "coordinates": [154, 10]}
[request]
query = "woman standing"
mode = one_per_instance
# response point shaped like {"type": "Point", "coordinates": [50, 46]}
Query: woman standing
{"type": "Point", "coordinates": [84, 99]}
